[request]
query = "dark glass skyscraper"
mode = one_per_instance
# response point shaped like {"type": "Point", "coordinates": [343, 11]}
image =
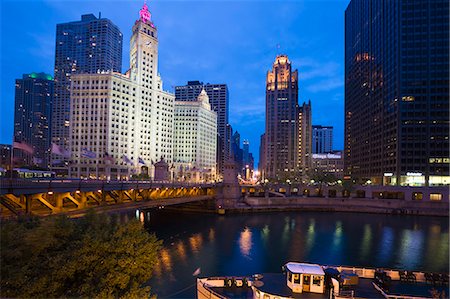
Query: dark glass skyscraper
{"type": "Point", "coordinates": [218, 98]}
{"type": "Point", "coordinates": [322, 139]}
{"type": "Point", "coordinates": [92, 45]}
{"type": "Point", "coordinates": [397, 91]}
{"type": "Point", "coordinates": [33, 108]}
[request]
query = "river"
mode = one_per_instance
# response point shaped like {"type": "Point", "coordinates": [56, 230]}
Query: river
{"type": "Point", "coordinates": [244, 244]}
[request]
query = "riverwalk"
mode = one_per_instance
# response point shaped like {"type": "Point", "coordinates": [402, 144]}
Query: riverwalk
{"type": "Point", "coordinates": [360, 205]}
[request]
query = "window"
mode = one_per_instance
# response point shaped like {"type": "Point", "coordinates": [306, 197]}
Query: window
{"type": "Point", "coordinates": [435, 196]}
{"type": "Point", "coordinates": [316, 280]}
{"type": "Point", "coordinates": [418, 196]}
{"type": "Point", "coordinates": [296, 278]}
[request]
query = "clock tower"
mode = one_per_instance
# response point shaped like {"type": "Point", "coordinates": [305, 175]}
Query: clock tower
{"type": "Point", "coordinates": [144, 51]}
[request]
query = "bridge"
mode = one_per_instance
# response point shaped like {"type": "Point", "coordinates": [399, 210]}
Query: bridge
{"type": "Point", "coordinates": [72, 196]}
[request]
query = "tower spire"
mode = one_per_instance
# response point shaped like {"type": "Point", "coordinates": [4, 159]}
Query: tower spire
{"type": "Point", "coordinates": [144, 14]}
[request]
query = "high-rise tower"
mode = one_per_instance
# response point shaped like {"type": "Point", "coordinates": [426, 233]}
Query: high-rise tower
{"type": "Point", "coordinates": [397, 91]}
{"type": "Point", "coordinates": [33, 104]}
{"type": "Point", "coordinates": [322, 139]}
{"type": "Point", "coordinates": [219, 100]}
{"type": "Point", "coordinates": [282, 112]}
{"type": "Point", "coordinates": [92, 45]}
{"type": "Point", "coordinates": [126, 120]}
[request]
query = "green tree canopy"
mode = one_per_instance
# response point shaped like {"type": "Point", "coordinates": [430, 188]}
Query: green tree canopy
{"type": "Point", "coordinates": [96, 256]}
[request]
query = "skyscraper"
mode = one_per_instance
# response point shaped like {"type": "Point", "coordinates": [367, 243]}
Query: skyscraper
{"type": "Point", "coordinates": [322, 139]}
{"type": "Point", "coordinates": [195, 139]}
{"type": "Point", "coordinates": [245, 152]}
{"type": "Point", "coordinates": [397, 91]}
{"type": "Point", "coordinates": [120, 123]}
{"type": "Point", "coordinates": [92, 45]}
{"type": "Point", "coordinates": [305, 138]}
{"type": "Point", "coordinates": [218, 98]}
{"type": "Point", "coordinates": [282, 114]}
{"type": "Point", "coordinates": [33, 104]}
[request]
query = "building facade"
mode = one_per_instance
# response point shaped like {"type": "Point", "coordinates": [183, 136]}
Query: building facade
{"type": "Point", "coordinates": [5, 156]}
{"type": "Point", "coordinates": [331, 164]}
{"type": "Point", "coordinates": [282, 113]}
{"type": "Point", "coordinates": [91, 45]}
{"type": "Point", "coordinates": [123, 123]}
{"type": "Point", "coordinates": [322, 139]}
{"type": "Point", "coordinates": [397, 92]}
{"type": "Point", "coordinates": [305, 139]}
{"type": "Point", "coordinates": [219, 100]}
{"type": "Point", "coordinates": [32, 116]}
{"type": "Point", "coordinates": [195, 140]}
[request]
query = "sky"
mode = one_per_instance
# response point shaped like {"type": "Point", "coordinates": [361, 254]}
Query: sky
{"type": "Point", "coordinates": [233, 42]}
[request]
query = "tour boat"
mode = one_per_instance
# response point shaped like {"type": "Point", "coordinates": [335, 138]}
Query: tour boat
{"type": "Point", "coordinates": [304, 280]}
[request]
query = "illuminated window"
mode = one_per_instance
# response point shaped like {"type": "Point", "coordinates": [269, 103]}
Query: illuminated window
{"type": "Point", "coordinates": [435, 196]}
{"type": "Point", "coordinates": [408, 98]}
{"type": "Point", "coordinates": [417, 196]}
{"type": "Point", "coordinates": [316, 280]}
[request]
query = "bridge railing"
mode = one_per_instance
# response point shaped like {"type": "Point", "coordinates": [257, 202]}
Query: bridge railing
{"type": "Point", "coordinates": [28, 186]}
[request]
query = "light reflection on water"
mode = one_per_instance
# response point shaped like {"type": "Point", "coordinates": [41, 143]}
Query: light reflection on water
{"type": "Point", "coordinates": [248, 244]}
{"type": "Point", "coordinates": [245, 242]}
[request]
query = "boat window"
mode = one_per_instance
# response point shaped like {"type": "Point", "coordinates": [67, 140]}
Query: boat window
{"type": "Point", "coordinates": [296, 278]}
{"type": "Point", "coordinates": [316, 280]}
{"type": "Point", "coordinates": [289, 276]}
{"type": "Point", "coordinates": [257, 293]}
{"type": "Point", "coordinates": [266, 296]}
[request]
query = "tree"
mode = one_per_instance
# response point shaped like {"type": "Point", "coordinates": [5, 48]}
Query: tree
{"type": "Point", "coordinates": [95, 257]}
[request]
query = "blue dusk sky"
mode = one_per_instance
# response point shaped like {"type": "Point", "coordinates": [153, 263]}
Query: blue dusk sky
{"type": "Point", "coordinates": [232, 42]}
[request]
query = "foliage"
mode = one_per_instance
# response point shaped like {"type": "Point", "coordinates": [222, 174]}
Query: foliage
{"type": "Point", "coordinates": [96, 256]}
{"type": "Point", "coordinates": [321, 177]}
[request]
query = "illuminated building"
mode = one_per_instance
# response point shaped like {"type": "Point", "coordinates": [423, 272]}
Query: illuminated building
{"type": "Point", "coordinates": [195, 139]}
{"type": "Point", "coordinates": [5, 156]}
{"type": "Point", "coordinates": [305, 137]}
{"type": "Point", "coordinates": [126, 120]}
{"type": "Point", "coordinates": [92, 45]}
{"type": "Point", "coordinates": [322, 139]}
{"type": "Point", "coordinates": [287, 152]}
{"type": "Point", "coordinates": [329, 163]}
{"type": "Point", "coordinates": [33, 108]}
{"type": "Point", "coordinates": [397, 92]}
{"type": "Point", "coordinates": [219, 100]}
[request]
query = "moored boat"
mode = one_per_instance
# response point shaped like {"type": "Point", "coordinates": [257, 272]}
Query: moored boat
{"type": "Point", "coordinates": [304, 280]}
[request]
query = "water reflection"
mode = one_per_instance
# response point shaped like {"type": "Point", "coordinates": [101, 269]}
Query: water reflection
{"type": "Point", "coordinates": [258, 243]}
{"type": "Point", "coordinates": [310, 235]}
{"type": "Point", "coordinates": [385, 246]}
{"type": "Point", "coordinates": [211, 235]}
{"type": "Point", "coordinates": [196, 242]}
{"type": "Point", "coordinates": [411, 246]}
{"type": "Point", "coordinates": [181, 251]}
{"type": "Point", "coordinates": [337, 239]}
{"type": "Point", "coordinates": [437, 247]}
{"type": "Point", "coordinates": [366, 242]}
{"type": "Point", "coordinates": [245, 242]}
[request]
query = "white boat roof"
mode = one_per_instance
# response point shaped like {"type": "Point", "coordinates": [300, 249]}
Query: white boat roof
{"type": "Point", "coordinates": [305, 268]}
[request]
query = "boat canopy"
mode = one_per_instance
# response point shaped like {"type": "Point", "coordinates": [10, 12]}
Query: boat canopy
{"type": "Point", "coordinates": [302, 268]}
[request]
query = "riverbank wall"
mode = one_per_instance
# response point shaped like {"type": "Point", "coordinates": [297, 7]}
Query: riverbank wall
{"type": "Point", "coordinates": [383, 206]}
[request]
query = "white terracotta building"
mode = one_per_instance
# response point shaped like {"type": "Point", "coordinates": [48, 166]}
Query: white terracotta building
{"type": "Point", "coordinates": [125, 120]}
{"type": "Point", "coordinates": [195, 140]}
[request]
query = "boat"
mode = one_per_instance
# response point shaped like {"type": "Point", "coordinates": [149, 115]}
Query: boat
{"type": "Point", "coordinates": [306, 280]}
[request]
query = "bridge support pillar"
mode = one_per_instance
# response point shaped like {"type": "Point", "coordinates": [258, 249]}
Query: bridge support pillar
{"type": "Point", "coordinates": [59, 201]}
{"type": "Point", "coordinates": [288, 190]}
{"type": "Point", "coordinates": [83, 200]}
{"type": "Point", "coordinates": [28, 202]}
